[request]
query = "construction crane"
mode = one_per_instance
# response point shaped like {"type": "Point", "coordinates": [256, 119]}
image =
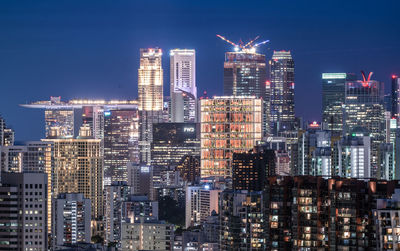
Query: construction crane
{"type": "Point", "coordinates": [249, 47]}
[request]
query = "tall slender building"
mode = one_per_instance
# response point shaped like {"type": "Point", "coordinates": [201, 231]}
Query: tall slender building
{"type": "Point", "coordinates": [282, 115]}
{"type": "Point", "coordinates": [121, 135]}
{"type": "Point", "coordinates": [183, 85]}
{"type": "Point", "coordinates": [150, 88]}
{"type": "Point", "coordinates": [333, 99]}
{"type": "Point", "coordinates": [395, 96]}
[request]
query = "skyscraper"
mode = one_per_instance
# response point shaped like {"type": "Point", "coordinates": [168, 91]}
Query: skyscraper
{"type": "Point", "coordinates": [78, 168]}
{"type": "Point", "coordinates": [395, 96]}
{"type": "Point", "coordinates": [60, 118]}
{"type": "Point", "coordinates": [183, 90]}
{"type": "Point", "coordinates": [245, 74]}
{"type": "Point", "coordinates": [333, 99]}
{"type": "Point", "coordinates": [364, 108]}
{"type": "Point", "coordinates": [150, 88]}
{"type": "Point", "coordinates": [282, 114]}
{"type": "Point", "coordinates": [121, 135]}
{"type": "Point", "coordinates": [228, 124]}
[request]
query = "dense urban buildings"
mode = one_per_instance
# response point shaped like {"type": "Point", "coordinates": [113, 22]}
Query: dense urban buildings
{"type": "Point", "coordinates": [228, 124]}
{"type": "Point", "coordinates": [183, 90]}
{"type": "Point", "coordinates": [232, 172]}
{"type": "Point", "coordinates": [282, 117]}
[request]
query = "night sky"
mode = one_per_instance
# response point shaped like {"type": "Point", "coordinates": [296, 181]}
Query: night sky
{"type": "Point", "coordinates": [90, 49]}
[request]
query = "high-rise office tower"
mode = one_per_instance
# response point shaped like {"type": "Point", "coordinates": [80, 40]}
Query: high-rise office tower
{"type": "Point", "coordinates": [23, 221]}
{"type": "Point", "coordinates": [61, 118]}
{"type": "Point", "coordinates": [115, 195]}
{"type": "Point", "coordinates": [150, 89]}
{"type": "Point", "coordinates": [245, 74]}
{"type": "Point", "coordinates": [364, 108]}
{"type": "Point", "coordinates": [250, 170]}
{"type": "Point", "coordinates": [395, 96]}
{"type": "Point", "coordinates": [71, 219]}
{"type": "Point", "coordinates": [78, 168]}
{"type": "Point", "coordinates": [183, 90]}
{"type": "Point", "coordinates": [228, 124]}
{"type": "Point", "coordinates": [189, 168]}
{"type": "Point", "coordinates": [173, 141]}
{"type": "Point", "coordinates": [333, 99]}
{"type": "Point", "coordinates": [282, 114]}
{"type": "Point", "coordinates": [6, 134]}
{"type": "Point", "coordinates": [121, 135]}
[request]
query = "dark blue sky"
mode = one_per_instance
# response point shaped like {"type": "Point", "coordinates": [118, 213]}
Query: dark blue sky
{"type": "Point", "coordinates": [90, 49]}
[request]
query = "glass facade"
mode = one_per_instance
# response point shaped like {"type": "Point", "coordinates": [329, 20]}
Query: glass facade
{"type": "Point", "coordinates": [228, 125]}
{"type": "Point", "coordinates": [282, 116]}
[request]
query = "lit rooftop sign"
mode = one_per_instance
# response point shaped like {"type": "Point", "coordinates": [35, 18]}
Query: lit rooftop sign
{"type": "Point", "coordinates": [334, 75]}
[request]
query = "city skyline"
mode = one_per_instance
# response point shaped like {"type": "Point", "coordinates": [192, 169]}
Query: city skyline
{"type": "Point", "coordinates": [42, 56]}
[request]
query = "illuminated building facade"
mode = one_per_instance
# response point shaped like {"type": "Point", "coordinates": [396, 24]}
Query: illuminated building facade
{"type": "Point", "coordinates": [189, 168]}
{"type": "Point", "coordinates": [146, 234]}
{"type": "Point", "coordinates": [395, 96]}
{"type": "Point", "coordinates": [150, 83]}
{"type": "Point", "coordinates": [242, 220]}
{"type": "Point", "coordinates": [228, 124]}
{"type": "Point", "coordinates": [314, 153]}
{"type": "Point", "coordinates": [282, 116]}
{"type": "Point", "coordinates": [245, 74]}
{"type": "Point", "coordinates": [173, 141]}
{"type": "Point", "coordinates": [34, 156]}
{"type": "Point", "coordinates": [201, 201]}
{"type": "Point", "coordinates": [94, 117]}
{"type": "Point", "coordinates": [62, 119]}
{"type": "Point", "coordinates": [354, 154]}
{"type": "Point", "coordinates": [71, 219]}
{"type": "Point", "coordinates": [364, 108]}
{"type": "Point", "coordinates": [150, 92]}
{"type": "Point", "coordinates": [333, 99]}
{"type": "Point", "coordinates": [183, 88]}
{"type": "Point", "coordinates": [23, 221]}
{"type": "Point", "coordinates": [140, 179]}
{"type": "Point", "coordinates": [121, 136]}
{"type": "Point", "coordinates": [313, 213]}
{"type": "Point", "coordinates": [115, 195]}
{"type": "Point", "coordinates": [250, 170]}
{"type": "Point", "coordinates": [78, 168]}
{"type": "Point", "coordinates": [387, 220]}
{"type": "Point", "coordinates": [6, 134]}
{"type": "Point", "coordinates": [137, 206]}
